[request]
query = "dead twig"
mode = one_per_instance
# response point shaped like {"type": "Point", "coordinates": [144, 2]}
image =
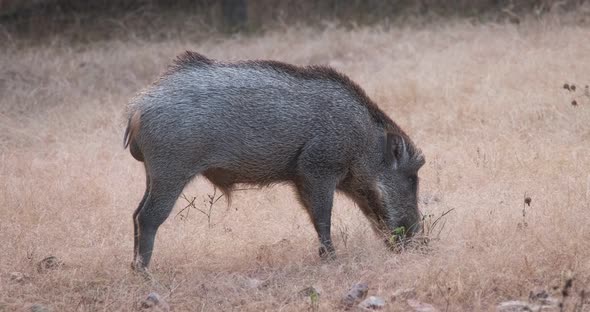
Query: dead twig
{"type": "Point", "coordinates": [211, 200]}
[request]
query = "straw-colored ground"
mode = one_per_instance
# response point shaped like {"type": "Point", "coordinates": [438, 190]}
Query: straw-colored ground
{"type": "Point", "coordinates": [485, 103]}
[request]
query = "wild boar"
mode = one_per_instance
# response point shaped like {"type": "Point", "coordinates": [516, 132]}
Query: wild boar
{"type": "Point", "coordinates": [264, 122]}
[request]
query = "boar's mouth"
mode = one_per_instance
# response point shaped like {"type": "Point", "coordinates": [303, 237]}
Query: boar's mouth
{"type": "Point", "coordinates": [402, 237]}
{"type": "Point", "coordinates": [372, 204]}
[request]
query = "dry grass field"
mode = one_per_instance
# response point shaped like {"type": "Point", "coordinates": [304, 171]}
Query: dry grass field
{"type": "Point", "coordinates": [485, 102]}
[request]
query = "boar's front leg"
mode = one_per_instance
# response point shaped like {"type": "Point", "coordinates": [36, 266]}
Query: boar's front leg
{"type": "Point", "coordinates": [316, 187]}
{"type": "Point", "coordinates": [319, 169]}
{"type": "Point", "coordinates": [317, 197]}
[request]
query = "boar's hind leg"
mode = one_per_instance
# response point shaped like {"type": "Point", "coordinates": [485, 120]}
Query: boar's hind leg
{"type": "Point", "coordinates": [135, 225]}
{"type": "Point", "coordinates": [317, 196]}
{"type": "Point", "coordinates": [163, 193]}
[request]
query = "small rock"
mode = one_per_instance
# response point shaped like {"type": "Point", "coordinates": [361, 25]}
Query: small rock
{"type": "Point", "coordinates": [49, 263]}
{"type": "Point", "coordinates": [537, 294]}
{"type": "Point", "coordinates": [549, 302]}
{"type": "Point", "coordinates": [513, 306]}
{"type": "Point", "coordinates": [517, 306]}
{"type": "Point", "coordinates": [421, 306]}
{"type": "Point", "coordinates": [542, 297]}
{"type": "Point", "coordinates": [39, 308]}
{"type": "Point", "coordinates": [372, 303]}
{"type": "Point", "coordinates": [18, 277]}
{"type": "Point", "coordinates": [539, 301]}
{"type": "Point", "coordinates": [356, 294]}
{"type": "Point", "coordinates": [154, 302]}
{"type": "Point", "coordinates": [405, 293]}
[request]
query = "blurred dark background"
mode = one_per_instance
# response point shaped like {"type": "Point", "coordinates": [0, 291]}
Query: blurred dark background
{"type": "Point", "coordinates": [148, 18]}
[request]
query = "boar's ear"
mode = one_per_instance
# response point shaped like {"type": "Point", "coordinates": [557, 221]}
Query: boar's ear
{"type": "Point", "coordinates": [395, 150]}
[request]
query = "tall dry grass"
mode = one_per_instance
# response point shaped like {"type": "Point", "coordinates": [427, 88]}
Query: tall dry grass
{"type": "Point", "coordinates": [484, 101]}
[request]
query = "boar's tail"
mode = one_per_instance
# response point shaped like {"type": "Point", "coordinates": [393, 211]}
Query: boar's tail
{"type": "Point", "coordinates": [130, 135]}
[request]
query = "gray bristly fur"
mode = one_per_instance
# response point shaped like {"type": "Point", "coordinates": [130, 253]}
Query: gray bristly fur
{"type": "Point", "coordinates": [265, 122]}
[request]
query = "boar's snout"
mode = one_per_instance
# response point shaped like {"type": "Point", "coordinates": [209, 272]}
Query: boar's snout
{"type": "Point", "coordinates": [407, 228]}
{"type": "Point", "coordinates": [401, 234]}
{"type": "Point", "coordinates": [414, 228]}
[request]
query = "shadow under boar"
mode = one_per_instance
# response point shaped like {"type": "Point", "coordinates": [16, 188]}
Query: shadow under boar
{"type": "Point", "coordinates": [265, 122]}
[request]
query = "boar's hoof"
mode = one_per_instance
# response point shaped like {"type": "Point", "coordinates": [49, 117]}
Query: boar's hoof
{"type": "Point", "coordinates": [136, 266]}
{"type": "Point", "coordinates": [140, 269]}
{"type": "Point", "coordinates": [327, 254]}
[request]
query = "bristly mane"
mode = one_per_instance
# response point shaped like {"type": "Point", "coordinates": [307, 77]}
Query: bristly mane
{"type": "Point", "coordinates": [187, 60]}
{"type": "Point", "coordinates": [324, 72]}
{"type": "Point", "coordinates": [190, 59]}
